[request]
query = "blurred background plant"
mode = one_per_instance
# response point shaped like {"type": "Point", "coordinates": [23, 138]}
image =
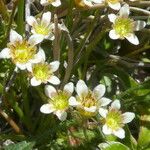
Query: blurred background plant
{"type": "Point", "coordinates": [90, 55]}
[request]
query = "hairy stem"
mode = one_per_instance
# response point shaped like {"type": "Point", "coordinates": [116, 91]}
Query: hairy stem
{"type": "Point", "coordinates": [10, 121]}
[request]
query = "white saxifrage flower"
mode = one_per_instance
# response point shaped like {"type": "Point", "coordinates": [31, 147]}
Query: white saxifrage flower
{"type": "Point", "coordinates": [124, 27]}
{"type": "Point", "coordinates": [43, 72]}
{"type": "Point", "coordinates": [55, 3]}
{"type": "Point", "coordinates": [42, 27]}
{"type": "Point", "coordinates": [87, 101]}
{"type": "Point", "coordinates": [115, 120]}
{"type": "Point", "coordinates": [58, 100]}
{"type": "Point", "coordinates": [22, 52]}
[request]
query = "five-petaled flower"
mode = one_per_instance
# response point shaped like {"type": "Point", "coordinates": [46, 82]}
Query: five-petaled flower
{"type": "Point", "coordinates": [42, 27]}
{"type": "Point", "coordinates": [22, 52]}
{"type": "Point", "coordinates": [43, 72]}
{"type": "Point", "coordinates": [115, 120]}
{"type": "Point", "coordinates": [87, 101]}
{"type": "Point", "coordinates": [55, 3]}
{"type": "Point", "coordinates": [58, 100]}
{"type": "Point", "coordinates": [124, 27]}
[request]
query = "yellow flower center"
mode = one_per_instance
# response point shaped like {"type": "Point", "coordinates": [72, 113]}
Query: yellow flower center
{"type": "Point", "coordinates": [114, 119]}
{"type": "Point", "coordinates": [60, 101]}
{"type": "Point", "coordinates": [87, 101]}
{"type": "Point", "coordinates": [42, 71]}
{"type": "Point", "coordinates": [22, 52]}
{"type": "Point", "coordinates": [123, 26]}
{"type": "Point", "coordinates": [42, 29]}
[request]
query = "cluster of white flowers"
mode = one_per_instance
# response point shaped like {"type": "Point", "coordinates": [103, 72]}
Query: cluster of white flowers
{"type": "Point", "coordinates": [27, 54]}
{"type": "Point", "coordinates": [123, 27]}
{"type": "Point", "coordinates": [88, 103]}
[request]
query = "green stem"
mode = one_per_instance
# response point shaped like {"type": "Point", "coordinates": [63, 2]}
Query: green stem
{"type": "Point", "coordinates": [70, 59]}
{"type": "Point", "coordinates": [20, 17]}
{"type": "Point", "coordinates": [10, 23]}
{"type": "Point", "coordinates": [147, 47]}
{"type": "Point", "coordinates": [90, 48]}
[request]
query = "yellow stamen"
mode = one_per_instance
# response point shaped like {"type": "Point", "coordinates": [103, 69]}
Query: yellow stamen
{"type": "Point", "coordinates": [60, 101]}
{"type": "Point", "coordinates": [22, 52]}
{"type": "Point", "coordinates": [42, 71]}
{"type": "Point", "coordinates": [123, 26]}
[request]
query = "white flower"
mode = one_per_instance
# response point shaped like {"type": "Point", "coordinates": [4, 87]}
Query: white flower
{"type": "Point", "coordinates": [124, 27]}
{"type": "Point", "coordinates": [115, 120]}
{"type": "Point", "coordinates": [22, 52]}
{"type": "Point", "coordinates": [55, 3]}
{"type": "Point", "coordinates": [59, 101]}
{"type": "Point", "coordinates": [87, 101]}
{"type": "Point", "coordinates": [43, 72]}
{"type": "Point", "coordinates": [43, 26]}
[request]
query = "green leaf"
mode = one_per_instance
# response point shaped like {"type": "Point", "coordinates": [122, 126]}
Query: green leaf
{"type": "Point", "coordinates": [144, 140]}
{"type": "Point", "coordinates": [20, 146]}
{"type": "Point", "coordinates": [113, 146]}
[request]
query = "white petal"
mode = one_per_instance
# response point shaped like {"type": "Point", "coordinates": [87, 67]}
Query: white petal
{"type": "Point", "coordinates": [29, 67]}
{"type": "Point", "coordinates": [124, 11]}
{"type": "Point", "coordinates": [98, 1]}
{"type": "Point", "coordinates": [139, 25]}
{"type": "Point", "coordinates": [99, 91]}
{"type": "Point", "coordinates": [112, 17]}
{"type": "Point", "coordinates": [90, 109]}
{"type": "Point", "coordinates": [81, 88]}
{"type": "Point", "coordinates": [5, 53]}
{"type": "Point", "coordinates": [128, 117]}
{"type": "Point", "coordinates": [54, 65]}
{"type": "Point", "coordinates": [14, 36]}
{"type": "Point", "coordinates": [21, 66]}
{"type": "Point", "coordinates": [69, 88]}
{"type": "Point", "coordinates": [88, 3]}
{"type": "Point", "coordinates": [116, 104]}
{"type": "Point", "coordinates": [44, 2]}
{"type": "Point", "coordinates": [39, 57]}
{"type": "Point", "coordinates": [46, 18]}
{"type": "Point", "coordinates": [113, 35]}
{"type": "Point", "coordinates": [35, 82]}
{"type": "Point", "coordinates": [115, 6]}
{"type": "Point", "coordinates": [35, 39]}
{"type": "Point", "coordinates": [47, 108]}
{"type": "Point", "coordinates": [119, 133]}
{"type": "Point", "coordinates": [54, 80]}
{"type": "Point", "coordinates": [132, 38]}
{"type": "Point", "coordinates": [50, 91]}
{"type": "Point", "coordinates": [56, 3]}
{"type": "Point", "coordinates": [106, 130]}
{"type": "Point", "coordinates": [62, 115]}
{"type": "Point", "coordinates": [104, 101]}
{"type": "Point", "coordinates": [73, 101]}
{"type": "Point", "coordinates": [31, 20]}
{"type": "Point", "coordinates": [103, 112]}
